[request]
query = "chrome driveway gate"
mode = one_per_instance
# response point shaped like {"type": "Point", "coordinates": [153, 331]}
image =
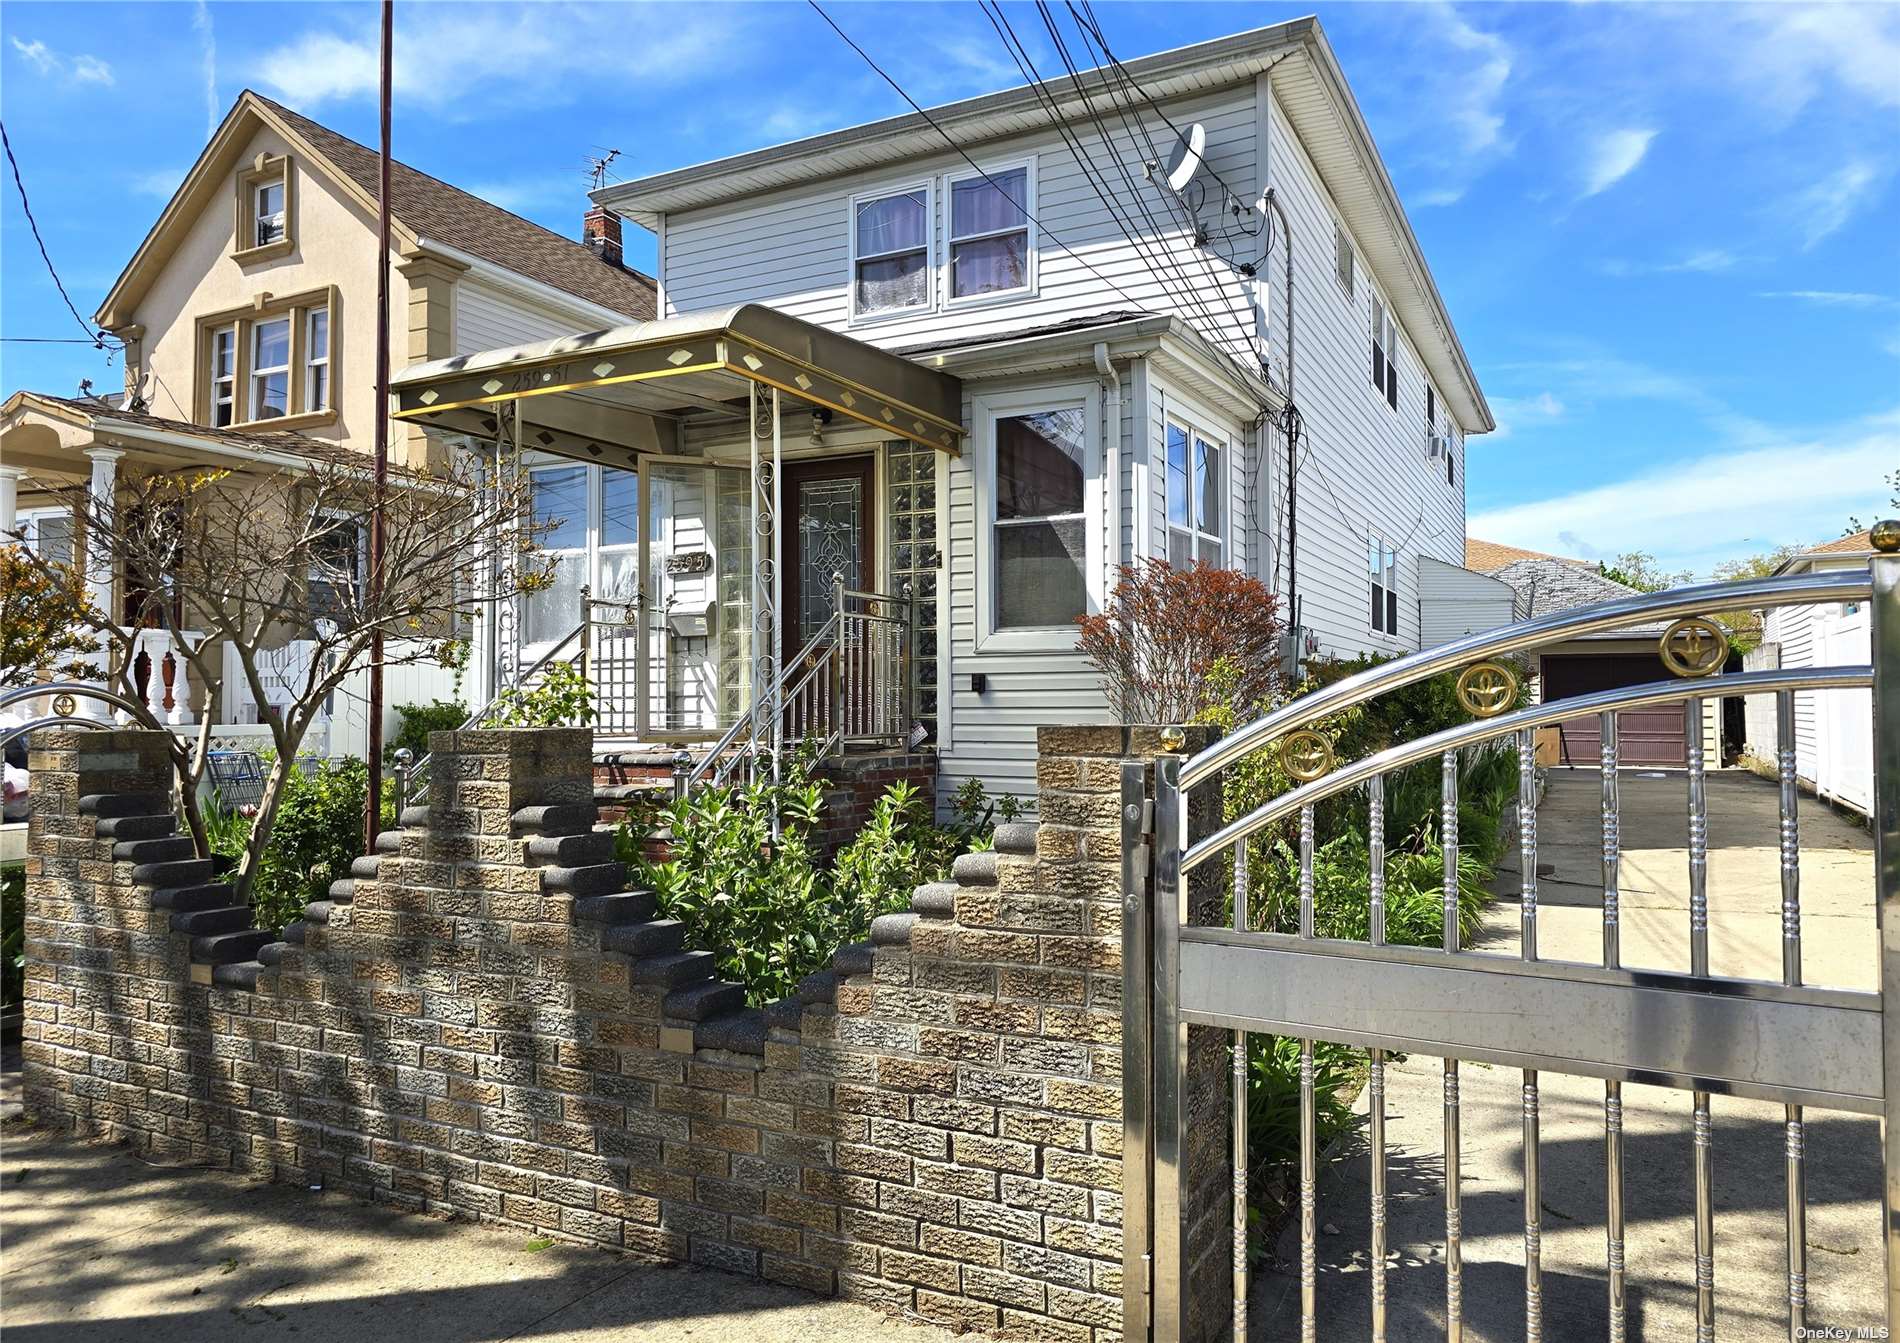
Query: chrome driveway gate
{"type": "Point", "coordinates": [1781, 1041]}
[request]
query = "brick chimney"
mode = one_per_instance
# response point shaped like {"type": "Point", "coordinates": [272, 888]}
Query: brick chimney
{"type": "Point", "coordinates": [600, 230]}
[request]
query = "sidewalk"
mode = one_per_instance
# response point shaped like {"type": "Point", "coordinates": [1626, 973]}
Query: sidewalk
{"type": "Point", "coordinates": [102, 1248]}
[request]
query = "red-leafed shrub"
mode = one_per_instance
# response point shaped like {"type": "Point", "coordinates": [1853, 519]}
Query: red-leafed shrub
{"type": "Point", "coordinates": [1164, 628]}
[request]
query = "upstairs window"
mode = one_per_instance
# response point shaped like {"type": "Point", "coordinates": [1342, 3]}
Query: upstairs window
{"type": "Point", "coordinates": [1197, 496]}
{"type": "Point", "coordinates": [223, 376]}
{"type": "Point", "coordinates": [270, 369]}
{"type": "Point", "coordinates": [890, 250]}
{"type": "Point", "coordinates": [1342, 258]}
{"type": "Point", "coordinates": [989, 233]}
{"type": "Point", "coordinates": [1431, 409]}
{"type": "Point", "coordinates": [316, 359]}
{"type": "Point", "coordinates": [267, 212]}
{"type": "Point", "coordinates": [1385, 345]}
{"type": "Point", "coordinates": [1382, 563]}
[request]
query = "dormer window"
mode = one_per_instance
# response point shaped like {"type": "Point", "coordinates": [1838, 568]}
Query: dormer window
{"type": "Point", "coordinates": [267, 212]}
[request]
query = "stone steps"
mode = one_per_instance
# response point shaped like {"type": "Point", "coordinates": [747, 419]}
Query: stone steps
{"type": "Point", "coordinates": [175, 872]}
{"type": "Point", "coordinates": [221, 919]}
{"type": "Point", "coordinates": [184, 899]}
{"type": "Point", "coordinates": [170, 849]}
{"type": "Point", "coordinates": [137, 827]}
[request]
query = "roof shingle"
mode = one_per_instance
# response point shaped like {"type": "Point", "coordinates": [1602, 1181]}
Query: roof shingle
{"type": "Point", "coordinates": [1489, 556]}
{"type": "Point", "coordinates": [447, 214]}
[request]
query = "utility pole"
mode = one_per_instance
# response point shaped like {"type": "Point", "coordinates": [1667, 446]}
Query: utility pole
{"type": "Point", "coordinates": [373, 806]}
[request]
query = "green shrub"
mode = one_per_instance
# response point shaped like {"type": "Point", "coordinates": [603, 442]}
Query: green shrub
{"type": "Point", "coordinates": [561, 698]}
{"type": "Point", "coordinates": [12, 934]}
{"type": "Point", "coordinates": [419, 720]}
{"type": "Point", "coordinates": [770, 910]}
{"type": "Point", "coordinates": [318, 834]}
{"type": "Point", "coordinates": [1273, 1114]}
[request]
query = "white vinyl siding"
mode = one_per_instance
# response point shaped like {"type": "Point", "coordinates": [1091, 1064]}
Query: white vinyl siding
{"type": "Point", "coordinates": [1362, 467]}
{"type": "Point", "coordinates": [792, 249]}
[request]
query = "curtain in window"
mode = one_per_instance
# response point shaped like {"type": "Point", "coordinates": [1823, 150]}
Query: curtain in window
{"type": "Point", "coordinates": [893, 282]}
{"type": "Point", "coordinates": [1041, 536]}
{"type": "Point", "coordinates": [893, 224]}
{"type": "Point", "coordinates": [978, 207]}
{"type": "Point", "coordinates": [990, 265]}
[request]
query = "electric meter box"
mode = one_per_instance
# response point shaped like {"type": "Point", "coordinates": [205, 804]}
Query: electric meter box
{"type": "Point", "coordinates": [691, 624]}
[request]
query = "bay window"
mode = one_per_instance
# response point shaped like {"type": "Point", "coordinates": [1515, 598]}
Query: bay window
{"type": "Point", "coordinates": [223, 376]}
{"type": "Point", "coordinates": [1197, 496]}
{"type": "Point", "coordinates": [988, 233]}
{"type": "Point", "coordinates": [316, 360]}
{"type": "Point", "coordinates": [890, 252]}
{"type": "Point", "coordinates": [270, 369]}
{"type": "Point", "coordinates": [1039, 510]}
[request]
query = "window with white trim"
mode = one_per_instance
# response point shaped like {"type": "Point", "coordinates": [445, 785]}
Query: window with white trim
{"type": "Point", "coordinates": [267, 212]}
{"type": "Point", "coordinates": [47, 532]}
{"type": "Point", "coordinates": [1342, 258]}
{"type": "Point", "coordinates": [1382, 564]}
{"type": "Point", "coordinates": [1040, 534]}
{"type": "Point", "coordinates": [316, 359]}
{"type": "Point", "coordinates": [1385, 347]}
{"type": "Point", "coordinates": [988, 233]}
{"type": "Point", "coordinates": [890, 252]}
{"type": "Point", "coordinates": [339, 563]}
{"type": "Point", "coordinates": [223, 376]}
{"type": "Point", "coordinates": [1197, 496]}
{"type": "Point", "coordinates": [270, 369]}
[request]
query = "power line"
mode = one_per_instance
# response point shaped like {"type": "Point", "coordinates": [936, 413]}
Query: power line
{"type": "Point", "coordinates": [1021, 209]}
{"type": "Point", "coordinates": [48, 340]}
{"type": "Point", "coordinates": [96, 339]}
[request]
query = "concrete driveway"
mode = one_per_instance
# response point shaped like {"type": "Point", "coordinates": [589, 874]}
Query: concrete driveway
{"type": "Point", "coordinates": [1843, 1151]}
{"type": "Point", "coordinates": [102, 1248]}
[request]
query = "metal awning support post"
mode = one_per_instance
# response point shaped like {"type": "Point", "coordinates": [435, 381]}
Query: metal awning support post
{"type": "Point", "coordinates": [767, 619]}
{"type": "Point", "coordinates": [508, 609]}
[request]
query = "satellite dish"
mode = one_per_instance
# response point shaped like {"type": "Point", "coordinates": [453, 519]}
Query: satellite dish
{"type": "Point", "coordinates": [1185, 160]}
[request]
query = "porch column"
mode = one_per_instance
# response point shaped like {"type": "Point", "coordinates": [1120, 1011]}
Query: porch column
{"type": "Point", "coordinates": [768, 622]}
{"type": "Point", "coordinates": [105, 473]}
{"type": "Point", "coordinates": [9, 499]}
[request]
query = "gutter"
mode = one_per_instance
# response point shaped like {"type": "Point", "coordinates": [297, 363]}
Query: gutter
{"type": "Point", "coordinates": [139, 433]}
{"type": "Point", "coordinates": [1112, 462]}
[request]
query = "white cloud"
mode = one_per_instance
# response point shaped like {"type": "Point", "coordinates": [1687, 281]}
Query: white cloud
{"type": "Point", "coordinates": [1832, 298]}
{"type": "Point", "coordinates": [1708, 261]}
{"type": "Point", "coordinates": [1827, 205]}
{"type": "Point", "coordinates": [207, 62]}
{"type": "Point", "coordinates": [157, 182]}
{"type": "Point", "coordinates": [85, 68]}
{"type": "Point", "coordinates": [1516, 412]}
{"type": "Point", "coordinates": [1697, 512]}
{"type": "Point", "coordinates": [1785, 55]}
{"type": "Point", "coordinates": [92, 70]}
{"type": "Point", "coordinates": [1461, 73]}
{"type": "Point", "coordinates": [36, 54]}
{"type": "Point", "coordinates": [1614, 156]}
{"type": "Point", "coordinates": [487, 54]}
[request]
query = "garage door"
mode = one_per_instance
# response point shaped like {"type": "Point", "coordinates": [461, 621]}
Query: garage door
{"type": "Point", "coordinates": [1644, 736]}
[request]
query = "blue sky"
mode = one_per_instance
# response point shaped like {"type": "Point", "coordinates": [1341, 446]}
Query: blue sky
{"type": "Point", "coordinates": [1669, 236]}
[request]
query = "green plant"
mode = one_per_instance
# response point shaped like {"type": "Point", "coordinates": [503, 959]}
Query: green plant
{"type": "Point", "coordinates": [561, 698]}
{"type": "Point", "coordinates": [12, 934]}
{"type": "Point", "coordinates": [1273, 1114]}
{"type": "Point", "coordinates": [898, 850]}
{"type": "Point", "coordinates": [419, 720]}
{"type": "Point", "coordinates": [319, 833]}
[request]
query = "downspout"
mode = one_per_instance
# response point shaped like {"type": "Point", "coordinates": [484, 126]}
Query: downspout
{"type": "Point", "coordinates": [1289, 421]}
{"type": "Point", "coordinates": [1112, 459]}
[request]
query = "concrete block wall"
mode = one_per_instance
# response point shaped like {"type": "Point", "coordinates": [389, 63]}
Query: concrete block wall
{"type": "Point", "coordinates": [482, 1019]}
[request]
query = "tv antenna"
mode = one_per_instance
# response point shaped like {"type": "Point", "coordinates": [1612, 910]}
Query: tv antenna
{"type": "Point", "coordinates": [597, 166]}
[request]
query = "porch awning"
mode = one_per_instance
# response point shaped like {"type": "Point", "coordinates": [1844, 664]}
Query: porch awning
{"type": "Point", "coordinates": [693, 368]}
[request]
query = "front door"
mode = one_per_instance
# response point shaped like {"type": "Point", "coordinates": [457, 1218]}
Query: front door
{"type": "Point", "coordinates": [832, 529]}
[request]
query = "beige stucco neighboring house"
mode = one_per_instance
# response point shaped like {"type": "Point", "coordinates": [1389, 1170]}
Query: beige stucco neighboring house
{"type": "Point", "coordinates": [248, 317]}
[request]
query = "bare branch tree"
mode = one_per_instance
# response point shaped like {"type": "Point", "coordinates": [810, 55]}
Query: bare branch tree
{"type": "Point", "coordinates": [269, 561]}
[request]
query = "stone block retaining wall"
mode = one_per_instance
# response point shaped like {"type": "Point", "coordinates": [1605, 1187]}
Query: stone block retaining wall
{"type": "Point", "coordinates": [483, 1020]}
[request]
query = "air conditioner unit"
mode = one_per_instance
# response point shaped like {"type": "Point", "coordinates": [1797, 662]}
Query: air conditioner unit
{"type": "Point", "coordinates": [1437, 447]}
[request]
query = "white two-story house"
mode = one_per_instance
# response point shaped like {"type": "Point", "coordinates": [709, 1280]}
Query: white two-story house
{"type": "Point", "coordinates": [967, 363]}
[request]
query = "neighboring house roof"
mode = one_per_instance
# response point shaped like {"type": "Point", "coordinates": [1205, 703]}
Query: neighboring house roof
{"type": "Point", "coordinates": [1853, 544]}
{"type": "Point", "coordinates": [423, 209]}
{"type": "Point", "coordinates": [260, 445]}
{"type": "Point", "coordinates": [1313, 93]}
{"type": "Point", "coordinates": [1547, 585]}
{"type": "Point", "coordinates": [1489, 556]}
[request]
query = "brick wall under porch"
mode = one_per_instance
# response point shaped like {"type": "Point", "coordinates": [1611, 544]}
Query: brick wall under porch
{"type": "Point", "coordinates": [482, 1021]}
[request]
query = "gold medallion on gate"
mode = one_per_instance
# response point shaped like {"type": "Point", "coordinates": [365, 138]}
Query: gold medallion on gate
{"type": "Point", "coordinates": [64, 706]}
{"type": "Point", "coordinates": [1487, 689]}
{"type": "Point", "coordinates": [1306, 756]}
{"type": "Point", "coordinates": [1694, 646]}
